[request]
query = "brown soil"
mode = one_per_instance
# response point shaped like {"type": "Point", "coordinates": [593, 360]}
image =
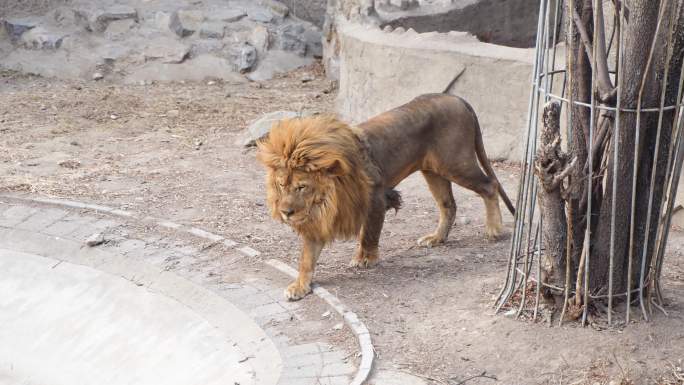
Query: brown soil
{"type": "Point", "coordinates": [168, 150]}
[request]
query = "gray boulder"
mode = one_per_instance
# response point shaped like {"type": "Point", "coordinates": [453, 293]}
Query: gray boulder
{"type": "Point", "coordinates": [261, 15]}
{"type": "Point", "coordinates": [227, 15]}
{"type": "Point", "coordinates": [212, 30]}
{"type": "Point", "coordinates": [262, 126]}
{"type": "Point", "coordinates": [100, 19]}
{"type": "Point", "coordinates": [16, 27]}
{"type": "Point", "coordinates": [41, 38]}
{"type": "Point", "coordinates": [248, 58]}
{"type": "Point", "coordinates": [185, 22]}
{"type": "Point", "coordinates": [166, 50]}
{"type": "Point", "coordinates": [300, 38]}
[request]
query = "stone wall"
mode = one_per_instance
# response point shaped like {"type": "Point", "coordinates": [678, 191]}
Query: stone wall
{"type": "Point", "coordinates": [133, 41]}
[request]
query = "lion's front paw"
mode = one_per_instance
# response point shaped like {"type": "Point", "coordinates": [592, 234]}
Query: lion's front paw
{"type": "Point", "coordinates": [296, 291]}
{"type": "Point", "coordinates": [363, 260]}
{"type": "Point", "coordinates": [430, 240]}
{"type": "Point", "coordinates": [493, 232]}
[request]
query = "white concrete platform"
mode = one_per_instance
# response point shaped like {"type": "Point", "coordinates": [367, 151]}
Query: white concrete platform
{"type": "Point", "coordinates": [62, 323]}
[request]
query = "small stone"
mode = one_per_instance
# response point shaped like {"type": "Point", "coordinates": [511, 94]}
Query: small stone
{"type": "Point", "coordinates": [511, 313]}
{"type": "Point", "coordinates": [95, 240]}
{"type": "Point", "coordinates": [98, 76]}
{"type": "Point", "coordinates": [211, 83]}
{"type": "Point", "coordinates": [326, 314]}
{"type": "Point", "coordinates": [72, 164]}
{"type": "Point", "coordinates": [307, 77]}
{"type": "Point", "coordinates": [172, 113]}
{"type": "Point", "coordinates": [388, 28]}
{"type": "Point", "coordinates": [113, 117]}
{"type": "Point", "coordinates": [74, 143]}
{"type": "Point", "coordinates": [338, 326]}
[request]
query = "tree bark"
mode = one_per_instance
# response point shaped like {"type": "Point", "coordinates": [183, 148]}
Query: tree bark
{"type": "Point", "coordinates": [551, 167]}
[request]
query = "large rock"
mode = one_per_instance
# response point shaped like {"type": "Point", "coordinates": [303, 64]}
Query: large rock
{"type": "Point", "coordinates": [185, 22]}
{"type": "Point", "coordinates": [41, 38]}
{"type": "Point", "coordinates": [309, 10]}
{"type": "Point", "coordinates": [100, 19]}
{"type": "Point", "coordinates": [248, 58]}
{"type": "Point", "coordinates": [16, 27]}
{"type": "Point", "coordinates": [194, 69]}
{"type": "Point", "coordinates": [300, 38]}
{"type": "Point", "coordinates": [212, 30]}
{"type": "Point", "coordinates": [278, 61]}
{"type": "Point", "coordinates": [262, 126]}
{"type": "Point", "coordinates": [228, 15]}
{"type": "Point", "coordinates": [119, 29]}
{"type": "Point", "coordinates": [260, 38]}
{"type": "Point", "coordinates": [261, 15]}
{"type": "Point", "coordinates": [166, 50]}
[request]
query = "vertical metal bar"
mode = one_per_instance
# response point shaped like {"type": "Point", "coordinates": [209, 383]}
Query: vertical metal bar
{"type": "Point", "coordinates": [590, 171]}
{"type": "Point", "coordinates": [508, 288]}
{"type": "Point", "coordinates": [636, 162]}
{"type": "Point", "coordinates": [557, 17]}
{"type": "Point", "coordinates": [569, 76]}
{"type": "Point", "coordinates": [616, 145]}
{"type": "Point", "coordinates": [655, 157]}
{"type": "Point", "coordinates": [673, 182]}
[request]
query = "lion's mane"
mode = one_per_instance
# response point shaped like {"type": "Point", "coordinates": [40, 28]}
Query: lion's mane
{"type": "Point", "coordinates": [332, 155]}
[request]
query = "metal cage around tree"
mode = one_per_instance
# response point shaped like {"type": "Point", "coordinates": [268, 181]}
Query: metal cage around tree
{"type": "Point", "coordinates": [602, 161]}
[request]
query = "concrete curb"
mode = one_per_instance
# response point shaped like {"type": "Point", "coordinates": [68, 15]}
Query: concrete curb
{"type": "Point", "coordinates": [197, 232]}
{"type": "Point", "coordinates": [351, 319]}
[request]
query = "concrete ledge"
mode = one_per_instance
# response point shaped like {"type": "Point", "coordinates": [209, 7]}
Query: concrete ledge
{"type": "Point", "coordinates": [380, 70]}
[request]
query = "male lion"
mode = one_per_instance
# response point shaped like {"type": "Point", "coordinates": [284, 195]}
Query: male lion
{"type": "Point", "coordinates": [330, 181]}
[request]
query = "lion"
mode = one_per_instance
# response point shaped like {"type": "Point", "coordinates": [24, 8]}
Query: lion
{"type": "Point", "coordinates": [332, 181]}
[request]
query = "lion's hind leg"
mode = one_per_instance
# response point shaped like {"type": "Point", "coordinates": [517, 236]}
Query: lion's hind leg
{"type": "Point", "coordinates": [487, 188]}
{"type": "Point", "coordinates": [444, 197]}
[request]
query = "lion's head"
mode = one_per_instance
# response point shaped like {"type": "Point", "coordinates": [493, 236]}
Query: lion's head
{"type": "Point", "coordinates": [316, 178]}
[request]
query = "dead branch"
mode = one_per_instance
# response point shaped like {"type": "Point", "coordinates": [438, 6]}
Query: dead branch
{"type": "Point", "coordinates": [481, 375]}
{"type": "Point", "coordinates": [605, 87]}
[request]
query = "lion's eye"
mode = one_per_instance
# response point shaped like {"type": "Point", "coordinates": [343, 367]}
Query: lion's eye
{"type": "Point", "coordinates": [301, 188]}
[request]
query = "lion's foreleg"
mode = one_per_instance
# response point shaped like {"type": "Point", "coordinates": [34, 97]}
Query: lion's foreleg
{"type": "Point", "coordinates": [367, 253]}
{"type": "Point", "coordinates": [307, 264]}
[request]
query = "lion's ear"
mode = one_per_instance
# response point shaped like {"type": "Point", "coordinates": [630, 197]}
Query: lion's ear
{"type": "Point", "coordinates": [336, 168]}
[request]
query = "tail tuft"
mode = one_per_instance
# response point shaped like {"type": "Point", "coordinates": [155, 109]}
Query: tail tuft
{"type": "Point", "coordinates": [392, 200]}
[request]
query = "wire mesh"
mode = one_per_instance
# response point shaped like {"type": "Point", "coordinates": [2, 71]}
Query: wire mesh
{"type": "Point", "coordinates": [554, 74]}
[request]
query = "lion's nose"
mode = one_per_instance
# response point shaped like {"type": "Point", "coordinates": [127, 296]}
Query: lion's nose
{"type": "Point", "coordinates": [287, 212]}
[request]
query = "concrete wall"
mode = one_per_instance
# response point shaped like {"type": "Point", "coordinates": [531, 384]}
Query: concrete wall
{"type": "Point", "coordinates": [381, 70]}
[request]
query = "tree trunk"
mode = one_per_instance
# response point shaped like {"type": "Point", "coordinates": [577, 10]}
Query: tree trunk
{"type": "Point", "coordinates": [639, 26]}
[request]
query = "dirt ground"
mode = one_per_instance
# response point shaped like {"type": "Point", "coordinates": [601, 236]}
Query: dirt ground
{"type": "Point", "coordinates": [168, 150]}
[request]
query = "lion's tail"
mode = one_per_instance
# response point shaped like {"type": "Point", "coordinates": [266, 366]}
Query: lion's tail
{"type": "Point", "coordinates": [484, 160]}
